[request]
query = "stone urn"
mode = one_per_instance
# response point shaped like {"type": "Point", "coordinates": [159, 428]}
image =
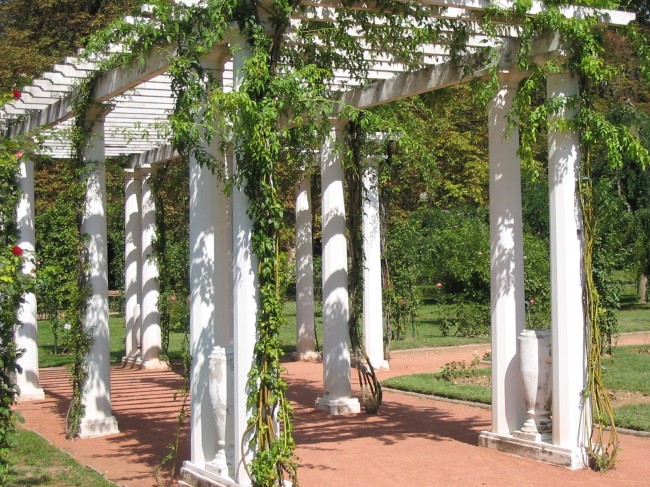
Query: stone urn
{"type": "Point", "coordinates": [536, 362]}
{"type": "Point", "coordinates": [218, 389]}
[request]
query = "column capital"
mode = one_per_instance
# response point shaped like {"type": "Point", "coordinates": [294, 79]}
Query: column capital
{"type": "Point", "coordinates": [510, 78]}
{"type": "Point", "coordinates": [132, 174]}
{"type": "Point", "coordinates": [97, 112]}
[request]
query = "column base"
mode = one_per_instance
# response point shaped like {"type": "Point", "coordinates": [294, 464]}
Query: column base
{"type": "Point", "coordinates": [155, 364]}
{"type": "Point", "coordinates": [132, 362]}
{"type": "Point", "coordinates": [193, 476]}
{"type": "Point", "coordinates": [380, 364]}
{"type": "Point", "coordinates": [376, 364]}
{"type": "Point", "coordinates": [338, 406]}
{"type": "Point", "coordinates": [307, 357]}
{"type": "Point", "coordinates": [30, 394]}
{"type": "Point", "coordinates": [92, 428]}
{"type": "Point", "coordinates": [573, 458]}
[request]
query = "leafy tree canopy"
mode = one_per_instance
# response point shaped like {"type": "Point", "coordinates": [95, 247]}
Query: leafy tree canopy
{"type": "Point", "coordinates": [39, 33]}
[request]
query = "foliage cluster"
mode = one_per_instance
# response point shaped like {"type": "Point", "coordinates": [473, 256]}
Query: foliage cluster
{"type": "Point", "coordinates": [276, 79]}
{"type": "Point", "coordinates": [14, 283]}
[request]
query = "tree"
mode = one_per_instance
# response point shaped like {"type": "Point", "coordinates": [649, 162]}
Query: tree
{"type": "Point", "coordinates": [38, 33]}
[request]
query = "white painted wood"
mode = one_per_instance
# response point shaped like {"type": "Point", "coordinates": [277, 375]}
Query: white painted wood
{"type": "Point", "coordinates": [27, 333]}
{"type": "Point", "coordinates": [337, 387]}
{"type": "Point", "coordinates": [98, 419]}
{"type": "Point", "coordinates": [506, 261]}
{"type": "Point", "coordinates": [568, 321]}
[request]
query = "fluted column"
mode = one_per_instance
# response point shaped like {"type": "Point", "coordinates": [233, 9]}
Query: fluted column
{"type": "Point", "coordinates": [567, 280]}
{"type": "Point", "coordinates": [373, 316]}
{"type": "Point", "coordinates": [151, 336]}
{"type": "Point", "coordinates": [98, 419]}
{"type": "Point", "coordinates": [506, 261]}
{"type": "Point", "coordinates": [337, 394]}
{"type": "Point", "coordinates": [245, 303]}
{"type": "Point", "coordinates": [132, 264]}
{"type": "Point", "coordinates": [27, 333]}
{"type": "Point", "coordinates": [305, 331]}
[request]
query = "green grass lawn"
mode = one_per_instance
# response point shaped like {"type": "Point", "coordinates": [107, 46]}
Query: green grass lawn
{"type": "Point", "coordinates": [628, 370]}
{"type": "Point", "coordinates": [632, 317]}
{"type": "Point", "coordinates": [34, 461]}
{"type": "Point", "coordinates": [47, 357]}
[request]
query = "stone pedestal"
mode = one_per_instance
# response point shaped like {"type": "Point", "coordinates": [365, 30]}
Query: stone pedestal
{"type": "Point", "coordinates": [338, 406]}
{"type": "Point", "coordinates": [537, 379]}
{"type": "Point", "coordinates": [193, 476]}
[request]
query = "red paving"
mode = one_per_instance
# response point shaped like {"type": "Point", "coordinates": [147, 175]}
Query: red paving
{"type": "Point", "coordinates": [411, 442]}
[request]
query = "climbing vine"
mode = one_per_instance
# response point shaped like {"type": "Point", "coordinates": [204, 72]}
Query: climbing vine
{"type": "Point", "coordinates": [282, 98]}
{"type": "Point", "coordinates": [79, 336]}
{"type": "Point", "coordinates": [371, 394]}
{"type": "Point", "coordinates": [13, 282]}
{"type": "Point", "coordinates": [598, 136]}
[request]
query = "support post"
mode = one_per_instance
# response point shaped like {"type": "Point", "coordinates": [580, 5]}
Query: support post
{"type": "Point", "coordinates": [373, 316]}
{"type": "Point", "coordinates": [245, 302]}
{"type": "Point", "coordinates": [506, 262]}
{"type": "Point", "coordinates": [132, 265]}
{"type": "Point", "coordinates": [305, 330]}
{"type": "Point", "coordinates": [27, 333]}
{"type": "Point", "coordinates": [567, 280]}
{"type": "Point", "coordinates": [337, 395]}
{"type": "Point", "coordinates": [151, 337]}
{"type": "Point", "coordinates": [98, 419]}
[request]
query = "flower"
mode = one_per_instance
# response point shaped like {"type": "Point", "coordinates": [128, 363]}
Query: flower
{"type": "Point", "coordinates": [439, 284]}
{"type": "Point", "coordinates": [17, 94]}
{"type": "Point", "coordinates": [18, 154]}
{"type": "Point", "coordinates": [17, 251]}
{"type": "Point", "coordinates": [532, 301]}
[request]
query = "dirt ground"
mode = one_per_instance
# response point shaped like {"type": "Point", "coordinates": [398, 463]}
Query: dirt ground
{"type": "Point", "coordinates": [411, 442]}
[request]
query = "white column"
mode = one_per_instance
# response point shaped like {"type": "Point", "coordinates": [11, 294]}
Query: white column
{"type": "Point", "coordinates": [132, 264]}
{"type": "Point", "coordinates": [373, 316]}
{"type": "Point", "coordinates": [506, 262]}
{"type": "Point", "coordinates": [245, 303]}
{"type": "Point", "coordinates": [98, 419]}
{"type": "Point", "coordinates": [151, 337]}
{"type": "Point", "coordinates": [337, 395]}
{"type": "Point", "coordinates": [305, 331]}
{"type": "Point", "coordinates": [27, 333]}
{"type": "Point", "coordinates": [210, 308]}
{"type": "Point", "coordinates": [568, 324]}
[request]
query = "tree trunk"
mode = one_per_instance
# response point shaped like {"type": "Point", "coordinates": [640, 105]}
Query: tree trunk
{"type": "Point", "coordinates": [643, 288]}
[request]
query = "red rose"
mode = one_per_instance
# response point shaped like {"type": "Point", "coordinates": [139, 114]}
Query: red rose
{"type": "Point", "coordinates": [17, 251]}
{"type": "Point", "coordinates": [17, 94]}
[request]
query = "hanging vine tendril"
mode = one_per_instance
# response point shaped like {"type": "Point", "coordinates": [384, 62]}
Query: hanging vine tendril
{"type": "Point", "coordinates": [371, 394]}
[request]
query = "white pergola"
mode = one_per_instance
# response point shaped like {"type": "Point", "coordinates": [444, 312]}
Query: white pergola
{"type": "Point", "coordinates": [132, 106]}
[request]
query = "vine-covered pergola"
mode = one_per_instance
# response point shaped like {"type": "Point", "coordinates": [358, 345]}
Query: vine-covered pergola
{"type": "Point", "coordinates": [127, 96]}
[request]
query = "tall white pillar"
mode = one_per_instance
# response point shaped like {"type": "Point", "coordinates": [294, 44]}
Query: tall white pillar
{"type": "Point", "coordinates": [210, 304]}
{"type": "Point", "coordinates": [98, 419]}
{"type": "Point", "coordinates": [245, 303]}
{"type": "Point", "coordinates": [27, 333]}
{"type": "Point", "coordinates": [132, 264]}
{"type": "Point", "coordinates": [373, 317]}
{"type": "Point", "coordinates": [151, 337]}
{"type": "Point", "coordinates": [337, 395]}
{"type": "Point", "coordinates": [568, 323]}
{"type": "Point", "coordinates": [305, 331]}
{"type": "Point", "coordinates": [506, 262]}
